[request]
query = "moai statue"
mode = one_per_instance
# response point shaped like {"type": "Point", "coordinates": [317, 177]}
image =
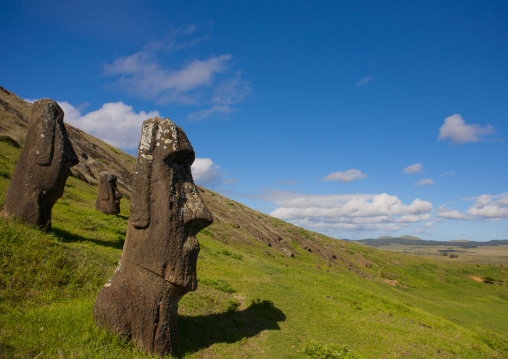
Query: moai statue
{"type": "Point", "coordinates": [158, 263]}
{"type": "Point", "coordinates": [43, 166]}
{"type": "Point", "coordinates": [108, 195]}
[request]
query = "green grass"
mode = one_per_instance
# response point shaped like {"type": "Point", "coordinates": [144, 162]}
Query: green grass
{"type": "Point", "coordinates": [248, 304]}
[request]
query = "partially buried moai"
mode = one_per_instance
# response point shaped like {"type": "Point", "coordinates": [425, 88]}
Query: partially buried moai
{"type": "Point", "coordinates": [158, 263]}
{"type": "Point", "coordinates": [38, 180]}
{"type": "Point", "coordinates": [108, 195]}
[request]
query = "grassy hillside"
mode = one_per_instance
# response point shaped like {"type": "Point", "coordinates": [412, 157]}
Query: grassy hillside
{"type": "Point", "coordinates": [254, 299]}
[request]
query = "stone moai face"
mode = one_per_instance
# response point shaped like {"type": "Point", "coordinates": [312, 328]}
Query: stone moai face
{"type": "Point", "coordinates": [159, 258]}
{"type": "Point", "coordinates": [108, 195]}
{"type": "Point", "coordinates": [43, 167]}
{"type": "Point", "coordinates": [166, 210]}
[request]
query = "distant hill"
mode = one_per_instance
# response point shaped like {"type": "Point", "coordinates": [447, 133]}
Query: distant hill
{"type": "Point", "coordinates": [410, 241]}
{"type": "Point", "coordinates": [402, 237]}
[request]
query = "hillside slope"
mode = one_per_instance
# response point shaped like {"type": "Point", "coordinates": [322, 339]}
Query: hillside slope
{"type": "Point", "coordinates": [267, 289]}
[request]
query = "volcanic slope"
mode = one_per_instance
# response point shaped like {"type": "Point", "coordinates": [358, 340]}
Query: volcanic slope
{"type": "Point", "coordinates": [267, 289]}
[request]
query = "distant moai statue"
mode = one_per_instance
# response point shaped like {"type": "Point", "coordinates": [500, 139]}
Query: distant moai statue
{"type": "Point", "coordinates": [108, 195]}
{"type": "Point", "coordinates": [158, 263]}
{"type": "Point", "coordinates": [38, 180]}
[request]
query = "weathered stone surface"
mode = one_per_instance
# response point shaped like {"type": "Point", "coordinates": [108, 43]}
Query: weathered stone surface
{"type": "Point", "coordinates": [108, 195]}
{"type": "Point", "coordinates": [43, 166]}
{"type": "Point", "coordinates": [158, 263]}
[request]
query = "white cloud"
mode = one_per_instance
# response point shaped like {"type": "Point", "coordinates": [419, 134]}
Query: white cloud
{"type": "Point", "coordinates": [142, 75]}
{"type": "Point", "coordinates": [456, 129]}
{"type": "Point", "coordinates": [153, 74]}
{"type": "Point", "coordinates": [364, 81]}
{"type": "Point", "coordinates": [215, 110]}
{"type": "Point", "coordinates": [206, 173]}
{"type": "Point", "coordinates": [429, 224]}
{"type": "Point", "coordinates": [490, 207]}
{"type": "Point", "coordinates": [424, 182]}
{"type": "Point", "coordinates": [346, 176]}
{"type": "Point", "coordinates": [231, 90]}
{"type": "Point", "coordinates": [449, 173]}
{"type": "Point", "coordinates": [358, 212]}
{"type": "Point", "coordinates": [444, 212]}
{"type": "Point", "coordinates": [413, 169]}
{"type": "Point", "coordinates": [115, 122]}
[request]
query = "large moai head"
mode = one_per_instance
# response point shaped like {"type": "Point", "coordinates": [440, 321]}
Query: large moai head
{"type": "Point", "coordinates": [108, 195]}
{"type": "Point", "coordinates": [43, 166]}
{"type": "Point", "coordinates": [166, 210]}
{"type": "Point", "coordinates": [159, 258]}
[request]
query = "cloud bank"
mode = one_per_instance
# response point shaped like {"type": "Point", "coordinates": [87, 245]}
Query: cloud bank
{"type": "Point", "coordinates": [486, 208]}
{"type": "Point", "coordinates": [354, 212]}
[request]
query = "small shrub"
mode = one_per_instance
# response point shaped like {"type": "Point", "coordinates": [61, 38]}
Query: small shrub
{"type": "Point", "coordinates": [5, 174]}
{"type": "Point", "coordinates": [489, 280]}
{"type": "Point", "coordinates": [232, 305]}
{"type": "Point", "coordinates": [331, 351]}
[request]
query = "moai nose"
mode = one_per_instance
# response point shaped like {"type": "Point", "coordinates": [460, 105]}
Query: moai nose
{"type": "Point", "coordinates": [196, 215]}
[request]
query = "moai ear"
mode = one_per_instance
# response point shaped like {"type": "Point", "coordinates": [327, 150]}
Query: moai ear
{"type": "Point", "coordinates": [140, 203]}
{"type": "Point", "coordinates": [105, 189]}
{"type": "Point", "coordinates": [44, 147]}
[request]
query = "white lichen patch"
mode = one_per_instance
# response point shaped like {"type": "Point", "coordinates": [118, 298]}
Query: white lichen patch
{"type": "Point", "coordinates": [146, 136]}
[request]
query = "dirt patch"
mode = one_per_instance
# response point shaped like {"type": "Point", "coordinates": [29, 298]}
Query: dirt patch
{"type": "Point", "coordinates": [394, 283]}
{"type": "Point", "coordinates": [396, 262]}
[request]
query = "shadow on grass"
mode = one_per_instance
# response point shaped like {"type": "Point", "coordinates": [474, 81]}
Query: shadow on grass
{"type": "Point", "coordinates": [202, 331]}
{"type": "Point", "coordinates": [68, 237]}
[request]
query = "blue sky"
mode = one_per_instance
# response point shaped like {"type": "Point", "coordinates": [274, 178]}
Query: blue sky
{"type": "Point", "coordinates": [352, 118]}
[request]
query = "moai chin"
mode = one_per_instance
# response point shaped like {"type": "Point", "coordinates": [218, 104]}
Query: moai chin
{"type": "Point", "coordinates": [108, 195]}
{"type": "Point", "coordinates": [38, 180]}
{"type": "Point", "coordinates": [158, 263]}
